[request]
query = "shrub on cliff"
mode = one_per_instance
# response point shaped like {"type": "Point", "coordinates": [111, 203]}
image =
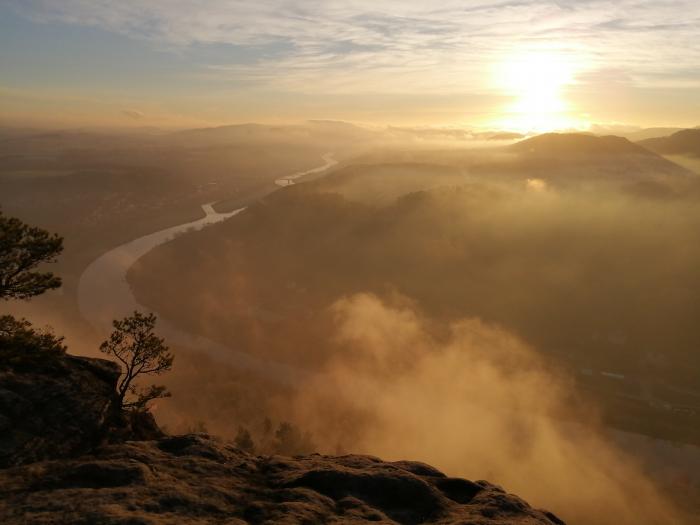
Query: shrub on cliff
{"type": "Point", "coordinates": [141, 352]}
{"type": "Point", "coordinates": [20, 343]}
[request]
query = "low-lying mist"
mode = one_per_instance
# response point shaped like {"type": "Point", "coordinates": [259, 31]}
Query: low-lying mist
{"type": "Point", "coordinates": [474, 400]}
{"type": "Point", "coordinates": [466, 396]}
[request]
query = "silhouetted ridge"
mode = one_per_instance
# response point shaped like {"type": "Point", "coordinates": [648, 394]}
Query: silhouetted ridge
{"type": "Point", "coordinates": [578, 144]}
{"type": "Point", "coordinates": [585, 157]}
{"type": "Point", "coordinates": [685, 142]}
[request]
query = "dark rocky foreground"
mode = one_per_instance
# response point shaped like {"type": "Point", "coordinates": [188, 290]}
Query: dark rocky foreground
{"type": "Point", "coordinates": [67, 456]}
{"type": "Point", "coordinates": [55, 406]}
{"type": "Point", "coordinates": [195, 479]}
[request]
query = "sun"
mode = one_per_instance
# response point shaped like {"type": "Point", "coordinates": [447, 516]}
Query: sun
{"type": "Point", "coordinates": [536, 81]}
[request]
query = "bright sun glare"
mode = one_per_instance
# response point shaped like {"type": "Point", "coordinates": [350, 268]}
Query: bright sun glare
{"type": "Point", "coordinates": [536, 80]}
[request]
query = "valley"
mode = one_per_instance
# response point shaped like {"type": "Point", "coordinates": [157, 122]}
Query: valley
{"type": "Point", "coordinates": [254, 290]}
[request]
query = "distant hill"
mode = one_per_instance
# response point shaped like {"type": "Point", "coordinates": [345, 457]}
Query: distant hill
{"type": "Point", "coordinates": [610, 157]}
{"type": "Point", "coordinates": [685, 142]}
{"type": "Point", "coordinates": [502, 135]}
{"type": "Point", "coordinates": [637, 134]}
{"type": "Point", "coordinates": [578, 145]}
{"type": "Point", "coordinates": [322, 130]}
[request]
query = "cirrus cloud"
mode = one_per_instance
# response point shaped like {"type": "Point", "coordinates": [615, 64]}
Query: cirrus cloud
{"type": "Point", "coordinates": [390, 45]}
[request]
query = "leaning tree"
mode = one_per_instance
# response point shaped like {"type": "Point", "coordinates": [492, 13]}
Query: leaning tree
{"type": "Point", "coordinates": [134, 343]}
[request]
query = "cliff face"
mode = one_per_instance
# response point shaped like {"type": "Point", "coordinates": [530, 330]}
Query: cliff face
{"type": "Point", "coordinates": [62, 406]}
{"type": "Point", "coordinates": [58, 410]}
{"type": "Point", "coordinates": [68, 456]}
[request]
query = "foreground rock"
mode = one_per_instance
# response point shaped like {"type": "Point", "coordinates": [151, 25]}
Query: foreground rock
{"type": "Point", "coordinates": [56, 406]}
{"type": "Point", "coordinates": [70, 455]}
{"type": "Point", "coordinates": [196, 479]}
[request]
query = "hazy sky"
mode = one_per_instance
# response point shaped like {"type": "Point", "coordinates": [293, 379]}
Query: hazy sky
{"type": "Point", "coordinates": [500, 63]}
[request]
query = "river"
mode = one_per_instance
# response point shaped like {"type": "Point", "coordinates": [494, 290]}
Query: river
{"type": "Point", "coordinates": [104, 293]}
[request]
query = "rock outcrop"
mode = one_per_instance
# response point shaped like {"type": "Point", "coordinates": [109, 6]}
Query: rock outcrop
{"type": "Point", "coordinates": [69, 455]}
{"type": "Point", "coordinates": [62, 406]}
{"type": "Point", "coordinates": [197, 479]}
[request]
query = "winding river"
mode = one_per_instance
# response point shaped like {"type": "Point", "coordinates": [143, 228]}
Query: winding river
{"type": "Point", "coordinates": [104, 293]}
{"type": "Point", "coordinates": [290, 179]}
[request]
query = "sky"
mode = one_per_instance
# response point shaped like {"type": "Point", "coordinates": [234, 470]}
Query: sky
{"type": "Point", "coordinates": [525, 65]}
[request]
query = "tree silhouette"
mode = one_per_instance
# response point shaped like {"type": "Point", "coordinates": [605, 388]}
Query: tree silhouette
{"type": "Point", "coordinates": [23, 345]}
{"type": "Point", "coordinates": [22, 249]}
{"type": "Point", "coordinates": [244, 440]}
{"type": "Point", "coordinates": [291, 442]}
{"type": "Point", "coordinates": [141, 352]}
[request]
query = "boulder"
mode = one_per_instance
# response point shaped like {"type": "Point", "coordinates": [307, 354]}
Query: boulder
{"type": "Point", "coordinates": [56, 411]}
{"type": "Point", "coordinates": [63, 406]}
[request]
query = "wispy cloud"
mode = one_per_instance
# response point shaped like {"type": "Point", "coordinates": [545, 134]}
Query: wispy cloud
{"type": "Point", "coordinates": [133, 114]}
{"type": "Point", "coordinates": [386, 45]}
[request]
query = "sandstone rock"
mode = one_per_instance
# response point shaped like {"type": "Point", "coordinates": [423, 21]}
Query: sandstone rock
{"type": "Point", "coordinates": [57, 411]}
{"type": "Point", "coordinates": [69, 456]}
{"type": "Point", "coordinates": [197, 479]}
{"type": "Point", "coordinates": [64, 407]}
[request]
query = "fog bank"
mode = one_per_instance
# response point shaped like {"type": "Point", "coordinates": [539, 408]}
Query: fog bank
{"type": "Point", "coordinates": [475, 401]}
